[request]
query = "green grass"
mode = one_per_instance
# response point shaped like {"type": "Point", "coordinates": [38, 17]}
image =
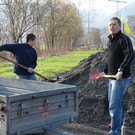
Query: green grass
{"type": "Point", "coordinates": [50, 66]}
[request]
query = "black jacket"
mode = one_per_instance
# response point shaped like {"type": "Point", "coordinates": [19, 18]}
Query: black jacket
{"type": "Point", "coordinates": [119, 55]}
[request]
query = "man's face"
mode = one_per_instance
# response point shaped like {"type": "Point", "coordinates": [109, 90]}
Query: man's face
{"type": "Point", "coordinates": [32, 43]}
{"type": "Point", "coordinates": [114, 27]}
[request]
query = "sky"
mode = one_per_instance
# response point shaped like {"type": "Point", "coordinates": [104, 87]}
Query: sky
{"type": "Point", "coordinates": [102, 5]}
{"type": "Point", "coordinates": [103, 8]}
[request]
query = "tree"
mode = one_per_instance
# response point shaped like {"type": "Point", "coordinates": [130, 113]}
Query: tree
{"type": "Point", "coordinates": [63, 26]}
{"type": "Point", "coordinates": [56, 23]}
{"type": "Point", "coordinates": [95, 37]}
{"type": "Point", "coordinates": [131, 23]}
{"type": "Point", "coordinates": [104, 35]}
{"type": "Point", "coordinates": [22, 15]}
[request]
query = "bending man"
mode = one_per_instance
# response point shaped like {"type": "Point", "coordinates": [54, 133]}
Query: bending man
{"type": "Point", "coordinates": [25, 55]}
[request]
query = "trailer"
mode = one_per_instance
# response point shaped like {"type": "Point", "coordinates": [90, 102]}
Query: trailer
{"type": "Point", "coordinates": [33, 107]}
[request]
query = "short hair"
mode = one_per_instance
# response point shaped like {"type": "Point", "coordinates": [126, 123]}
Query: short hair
{"type": "Point", "coordinates": [116, 18]}
{"type": "Point", "coordinates": [30, 37]}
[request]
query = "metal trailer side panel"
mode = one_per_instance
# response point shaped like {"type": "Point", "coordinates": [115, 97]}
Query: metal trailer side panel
{"type": "Point", "coordinates": [29, 106]}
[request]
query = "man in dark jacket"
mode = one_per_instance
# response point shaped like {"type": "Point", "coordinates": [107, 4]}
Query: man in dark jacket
{"type": "Point", "coordinates": [25, 55]}
{"type": "Point", "coordinates": [119, 57]}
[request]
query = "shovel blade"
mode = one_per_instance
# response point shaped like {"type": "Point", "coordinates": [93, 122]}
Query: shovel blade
{"type": "Point", "coordinates": [94, 75]}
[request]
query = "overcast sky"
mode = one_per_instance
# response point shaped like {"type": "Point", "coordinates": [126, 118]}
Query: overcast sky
{"type": "Point", "coordinates": [104, 8]}
{"type": "Point", "coordinates": [101, 5]}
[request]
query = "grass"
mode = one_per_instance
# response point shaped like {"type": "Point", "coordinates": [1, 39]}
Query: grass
{"type": "Point", "coordinates": [50, 66]}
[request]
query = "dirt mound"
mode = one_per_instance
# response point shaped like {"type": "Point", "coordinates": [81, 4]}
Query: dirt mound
{"type": "Point", "coordinates": [93, 104]}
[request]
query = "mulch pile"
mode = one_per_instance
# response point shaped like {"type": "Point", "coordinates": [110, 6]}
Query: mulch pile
{"type": "Point", "coordinates": [93, 104]}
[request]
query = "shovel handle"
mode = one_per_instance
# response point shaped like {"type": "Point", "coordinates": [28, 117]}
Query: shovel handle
{"type": "Point", "coordinates": [95, 75]}
{"type": "Point", "coordinates": [109, 76]}
{"type": "Point", "coordinates": [23, 67]}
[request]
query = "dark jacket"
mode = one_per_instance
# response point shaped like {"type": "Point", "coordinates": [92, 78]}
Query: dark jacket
{"type": "Point", "coordinates": [119, 55]}
{"type": "Point", "coordinates": [24, 54]}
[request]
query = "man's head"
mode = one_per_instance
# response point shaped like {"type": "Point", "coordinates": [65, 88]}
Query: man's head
{"type": "Point", "coordinates": [31, 39]}
{"type": "Point", "coordinates": [114, 25]}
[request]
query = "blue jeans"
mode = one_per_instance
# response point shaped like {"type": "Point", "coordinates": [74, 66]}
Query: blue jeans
{"type": "Point", "coordinates": [116, 93]}
{"type": "Point", "coordinates": [32, 77]}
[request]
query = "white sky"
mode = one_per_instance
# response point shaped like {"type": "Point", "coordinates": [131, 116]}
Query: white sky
{"type": "Point", "coordinates": [101, 5]}
{"type": "Point", "coordinates": [103, 8]}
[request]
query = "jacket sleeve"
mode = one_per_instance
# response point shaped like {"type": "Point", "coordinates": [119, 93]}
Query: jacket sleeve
{"type": "Point", "coordinates": [8, 47]}
{"type": "Point", "coordinates": [128, 52]}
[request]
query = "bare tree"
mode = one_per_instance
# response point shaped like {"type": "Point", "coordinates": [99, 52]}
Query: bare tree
{"type": "Point", "coordinates": [95, 37]}
{"type": "Point", "coordinates": [131, 23]}
{"type": "Point", "coordinates": [104, 34]}
{"type": "Point", "coordinates": [63, 26]}
{"type": "Point", "coordinates": [56, 23]}
{"type": "Point", "coordinates": [22, 15]}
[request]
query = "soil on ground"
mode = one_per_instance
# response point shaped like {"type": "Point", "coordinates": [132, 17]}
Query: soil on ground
{"type": "Point", "coordinates": [93, 116]}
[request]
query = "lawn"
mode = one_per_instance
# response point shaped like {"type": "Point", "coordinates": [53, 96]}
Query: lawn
{"type": "Point", "coordinates": [50, 66]}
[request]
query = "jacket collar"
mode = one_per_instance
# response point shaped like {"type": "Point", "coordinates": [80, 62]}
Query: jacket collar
{"type": "Point", "coordinates": [28, 45]}
{"type": "Point", "coordinates": [116, 36]}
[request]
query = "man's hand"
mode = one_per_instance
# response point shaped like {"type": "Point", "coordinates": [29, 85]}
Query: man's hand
{"type": "Point", "coordinates": [30, 70]}
{"type": "Point", "coordinates": [119, 75]}
{"type": "Point", "coordinates": [101, 75]}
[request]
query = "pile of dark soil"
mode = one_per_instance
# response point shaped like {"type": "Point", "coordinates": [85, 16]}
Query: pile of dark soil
{"type": "Point", "coordinates": [93, 103]}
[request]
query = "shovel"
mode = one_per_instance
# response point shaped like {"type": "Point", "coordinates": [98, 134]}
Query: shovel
{"type": "Point", "coordinates": [26, 68]}
{"type": "Point", "coordinates": [95, 75]}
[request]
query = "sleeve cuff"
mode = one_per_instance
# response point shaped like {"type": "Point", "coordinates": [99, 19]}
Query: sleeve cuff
{"type": "Point", "coordinates": [120, 70]}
